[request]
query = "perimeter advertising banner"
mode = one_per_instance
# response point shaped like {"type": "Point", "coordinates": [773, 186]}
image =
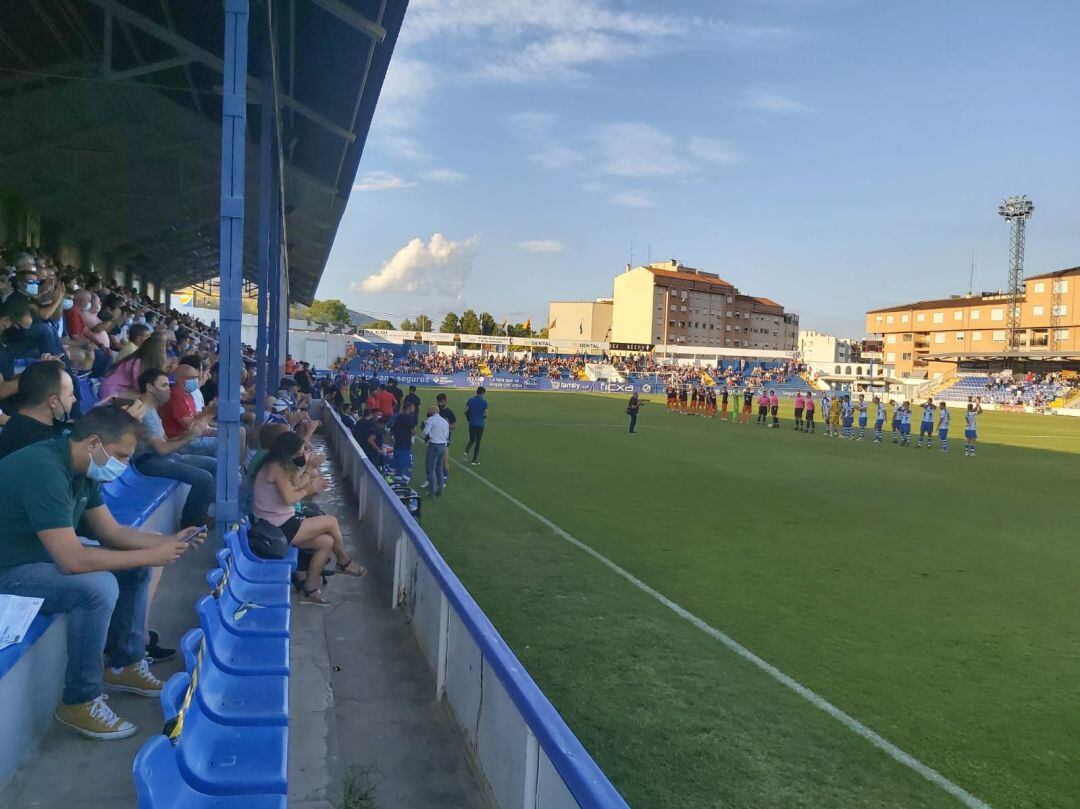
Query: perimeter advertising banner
{"type": "Point", "coordinates": [466, 380]}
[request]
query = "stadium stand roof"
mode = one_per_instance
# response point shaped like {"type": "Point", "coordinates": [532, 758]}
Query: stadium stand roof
{"type": "Point", "coordinates": [112, 113]}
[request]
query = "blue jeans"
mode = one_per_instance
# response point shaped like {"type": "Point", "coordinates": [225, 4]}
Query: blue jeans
{"type": "Point", "coordinates": [436, 474]}
{"type": "Point", "coordinates": [195, 470]}
{"type": "Point", "coordinates": [206, 445]}
{"type": "Point", "coordinates": [106, 614]}
{"type": "Point", "coordinates": [403, 460]}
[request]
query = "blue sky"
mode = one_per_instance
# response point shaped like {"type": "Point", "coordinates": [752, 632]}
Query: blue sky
{"type": "Point", "coordinates": [834, 155]}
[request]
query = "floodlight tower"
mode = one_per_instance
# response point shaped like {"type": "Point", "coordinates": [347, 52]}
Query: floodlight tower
{"type": "Point", "coordinates": [1016, 211]}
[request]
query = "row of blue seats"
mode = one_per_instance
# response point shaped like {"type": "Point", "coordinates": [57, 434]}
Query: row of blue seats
{"type": "Point", "coordinates": [226, 715]}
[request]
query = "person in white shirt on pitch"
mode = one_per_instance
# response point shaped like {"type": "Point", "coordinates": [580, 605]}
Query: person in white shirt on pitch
{"type": "Point", "coordinates": [436, 432]}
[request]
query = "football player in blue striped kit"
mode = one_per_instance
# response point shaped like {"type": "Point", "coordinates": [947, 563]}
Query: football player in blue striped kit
{"type": "Point", "coordinates": [879, 419]}
{"type": "Point", "coordinates": [862, 407]}
{"type": "Point", "coordinates": [970, 430]}
{"type": "Point", "coordinates": [895, 421]}
{"type": "Point", "coordinates": [904, 413]}
{"type": "Point", "coordinates": [944, 417]}
{"type": "Point", "coordinates": [926, 428]}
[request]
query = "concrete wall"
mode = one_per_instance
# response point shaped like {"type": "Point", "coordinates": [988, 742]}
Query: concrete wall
{"type": "Point", "coordinates": [580, 320]}
{"type": "Point", "coordinates": [634, 313]}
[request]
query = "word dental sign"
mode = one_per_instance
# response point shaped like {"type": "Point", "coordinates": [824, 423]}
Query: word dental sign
{"type": "Point", "coordinates": [398, 336]}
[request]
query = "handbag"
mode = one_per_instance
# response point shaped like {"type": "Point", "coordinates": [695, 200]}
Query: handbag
{"type": "Point", "coordinates": [267, 541]}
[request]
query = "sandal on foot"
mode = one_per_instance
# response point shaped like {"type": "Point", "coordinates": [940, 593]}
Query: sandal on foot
{"type": "Point", "coordinates": [313, 598]}
{"type": "Point", "coordinates": [348, 570]}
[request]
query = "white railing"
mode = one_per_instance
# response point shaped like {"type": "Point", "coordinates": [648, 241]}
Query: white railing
{"type": "Point", "coordinates": [525, 751]}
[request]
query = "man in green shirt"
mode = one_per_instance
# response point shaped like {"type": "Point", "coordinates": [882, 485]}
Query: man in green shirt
{"type": "Point", "coordinates": [46, 488]}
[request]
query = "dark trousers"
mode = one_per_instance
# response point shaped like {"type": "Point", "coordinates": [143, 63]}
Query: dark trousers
{"type": "Point", "coordinates": [193, 470]}
{"type": "Point", "coordinates": [633, 421]}
{"type": "Point", "coordinates": [476, 435]}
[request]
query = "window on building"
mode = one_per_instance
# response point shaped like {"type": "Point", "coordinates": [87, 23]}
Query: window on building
{"type": "Point", "coordinates": [888, 318]}
{"type": "Point", "coordinates": [1061, 335]}
{"type": "Point", "coordinates": [1060, 310]}
{"type": "Point", "coordinates": [1059, 287]}
{"type": "Point", "coordinates": [905, 337]}
{"type": "Point", "coordinates": [999, 336]}
{"type": "Point", "coordinates": [890, 357]}
{"type": "Point", "coordinates": [920, 318]}
{"type": "Point", "coordinates": [1040, 287]}
{"type": "Point", "coordinates": [976, 335]}
{"type": "Point", "coordinates": [939, 337]}
{"type": "Point", "coordinates": [939, 317]}
{"type": "Point", "coordinates": [906, 355]}
{"type": "Point", "coordinates": [958, 315]}
{"type": "Point", "coordinates": [1037, 311]}
{"type": "Point", "coordinates": [905, 318]}
{"type": "Point", "coordinates": [891, 339]}
{"type": "Point", "coordinates": [879, 319]}
{"type": "Point", "coordinates": [959, 337]}
{"type": "Point", "coordinates": [997, 314]}
{"type": "Point", "coordinates": [975, 314]}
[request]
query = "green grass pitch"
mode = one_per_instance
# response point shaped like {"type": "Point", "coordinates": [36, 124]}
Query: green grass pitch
{"type": "Point", "coordinates": [932, 597]}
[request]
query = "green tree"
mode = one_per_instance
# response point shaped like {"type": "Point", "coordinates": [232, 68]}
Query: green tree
{"type": "Point", "coordinates": [328, 311]}
{"type": "Point", "coordinates": [470, 323]}
{"type": "Point", "coordinates": [488, 324]}
{"type": "Point", "coordinates": [423, 323]}
{"type": "Point", "coordinates": [381, 324]}
{"type": "Point", "coordinates": [544, 333]}
{"type": "Point", "coordinates": [451, 324]}
{"type": "Point", "coordinates": [407, 325]}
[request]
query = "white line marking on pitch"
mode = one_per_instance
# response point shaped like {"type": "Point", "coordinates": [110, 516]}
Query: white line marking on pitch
{"type": "Point", "coordinates": [848, 721]}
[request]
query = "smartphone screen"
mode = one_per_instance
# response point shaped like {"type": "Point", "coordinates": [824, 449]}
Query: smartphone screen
{"type": "Point", "coordinates": [192, 533]}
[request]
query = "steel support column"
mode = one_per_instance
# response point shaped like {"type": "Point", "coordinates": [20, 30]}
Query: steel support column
{"type": "Point", "coordinates": [274, 356]}
{"type": "Point", "coordinates": [233, 144]}
{"type": "Point", "coordinates": [266, 182]}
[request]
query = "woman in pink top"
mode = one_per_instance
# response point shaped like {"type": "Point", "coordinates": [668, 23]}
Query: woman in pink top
{"type": "Point", "coordinates": [280, 484]}
{"type": "Point", "coordinates": [774, 407]}
{"type": "Point", "coordinates": [123, 378]}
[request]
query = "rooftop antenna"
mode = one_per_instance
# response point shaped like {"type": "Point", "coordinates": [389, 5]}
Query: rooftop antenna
{"type": "Point", "coordinates": [971, 274]}
{"type": "Point", "coordinates": [631, 254]}
{"type": "Point", "coordinates": [650, 252]}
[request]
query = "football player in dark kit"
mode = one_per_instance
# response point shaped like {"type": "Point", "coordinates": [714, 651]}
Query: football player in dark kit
{"type": "Point", "coordinates": [632, 410]}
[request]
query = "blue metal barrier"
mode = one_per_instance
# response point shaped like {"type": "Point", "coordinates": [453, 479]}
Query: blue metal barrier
{"type": "Point", "coordinates": [546, 729]}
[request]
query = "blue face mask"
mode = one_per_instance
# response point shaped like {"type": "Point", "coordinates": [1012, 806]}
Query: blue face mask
{"type": "Point", "coordinates": [106, 472]}
{"type": "Point", "coordinates": [68, 303]}
{"type": "Point", "coordinates": [32, 288]}
{"type": "Point", "coordinates": [191, 385]}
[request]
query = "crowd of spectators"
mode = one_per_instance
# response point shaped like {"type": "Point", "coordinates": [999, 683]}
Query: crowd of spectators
{"type": "Point", "coordinates": [1031, 389]}
{"type": "Point", "coordinates": [95, 377]}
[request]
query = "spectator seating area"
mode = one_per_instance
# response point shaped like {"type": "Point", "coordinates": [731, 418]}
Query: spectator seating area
{"type": "Point", "coordinates": [996, 390]}
{"type": "Point", "coordinates": [227, 714]}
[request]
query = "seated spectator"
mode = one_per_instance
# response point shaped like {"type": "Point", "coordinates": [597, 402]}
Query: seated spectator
{"type": "Point", "coordinates": [281, 483]}
{"type": "Point", "coordinates": [161, 457]}
{"type": "Point", "coordinates": [137, 334]}
{"type": "Point", "coordinates": [123, 378]}
{"type": "Point", "coordinates": [45, 490]}
{"type": "Point", "coordinates": [45, 398]}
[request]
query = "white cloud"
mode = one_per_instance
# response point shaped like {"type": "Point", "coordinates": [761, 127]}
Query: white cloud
{"type": "Point", "coordinates": [381, 181]}
{"type": "Point", "coordinates": [440, 267]}
{"type": "Point", "coordinates": [712, 150]}
{"type": "Point", "coordinates": [633, 199]}
{"type": "Point", "coordinates": [537, 131]}
{"type": "Point", "coordinates": [638, 150]}
{"type": "Point", "coordinates": [445, 176]}
{"type": "Point", "coordinates": [541, 246]}
{"type": "Point", "coordinates": [560, 58]}
{"type": "Point", "coordinates": [762, 101]}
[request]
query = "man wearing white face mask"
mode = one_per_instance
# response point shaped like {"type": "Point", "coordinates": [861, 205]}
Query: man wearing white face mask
{"type": "Point", "coordinates": [45, 490]}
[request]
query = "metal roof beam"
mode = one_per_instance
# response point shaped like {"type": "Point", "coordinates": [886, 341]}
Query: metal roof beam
{"type": "Point", "coordinates": [352, 18]}
{"type": "Point", "coordinates": [154, 67]}
{"type": "Point", "coordinates": [209, 59]}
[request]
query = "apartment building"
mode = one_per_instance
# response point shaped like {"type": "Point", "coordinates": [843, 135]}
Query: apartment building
{"type": "Point", "coordinates": [930, 338]}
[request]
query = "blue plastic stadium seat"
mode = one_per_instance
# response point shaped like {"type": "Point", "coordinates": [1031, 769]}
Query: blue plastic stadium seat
{"type": "Point", "coordinates": [159, 784]}
{"type": "Point", "coordinates": [132, 498]}
{"type": "Point", "coordinates": [256, 572]}
{"type": "Point", "coordinates": [240, 654]}
{"type": "Point", "coordinates": [251, 618]}
{"type": "Point", "coordinates": [238, 543]}
{"type": "Point", "coordinates": [269, 594]}
{"type": "Point", "coordinates": [235, 699]}
{"type": "Point", "coordinates": [86, 393]}
{"type": "Point", "coordinates": [218, 759]}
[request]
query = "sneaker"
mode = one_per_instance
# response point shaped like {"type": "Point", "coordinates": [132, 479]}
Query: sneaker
{"type": "Point", "coordinates": [424, 485]}
{"type": "Point", "coordinates": [134, 679]}
{"type": "Point", "coordinates": [94, 719]}
{"type": "Point", "coordinates": [465, 455]}
{"type": "Point", "coordinates": [156, 652]}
